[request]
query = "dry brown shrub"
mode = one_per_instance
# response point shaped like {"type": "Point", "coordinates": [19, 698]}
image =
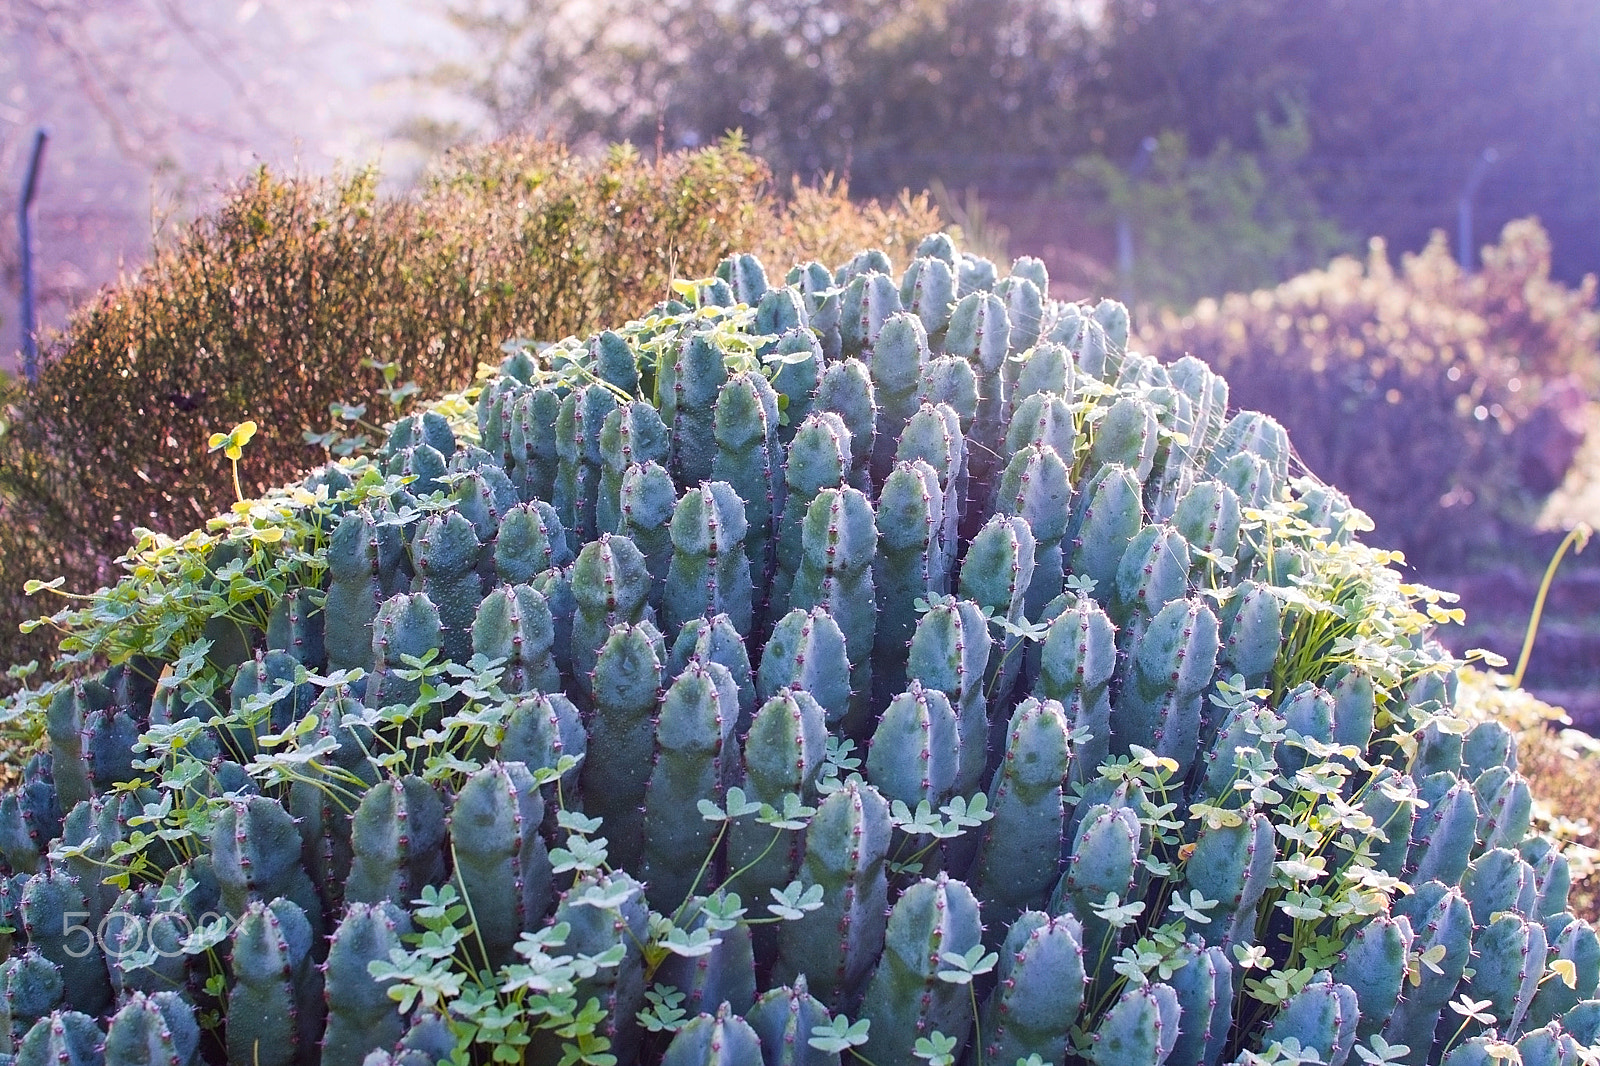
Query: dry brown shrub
{"type": "Point", "coordinates": [277, 306]}
{"type": "Point", "coordinates": [1420, 392]}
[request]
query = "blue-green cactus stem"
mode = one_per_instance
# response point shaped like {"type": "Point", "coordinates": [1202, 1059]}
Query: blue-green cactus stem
{"type": "Point", "coordinates": [1171, 664]}
{"type": "Point", "coordinates": [981, 334]}
{"type": "Point", "coordinates": [950, 380]}
{"type": "Point", "coordinates": [821, 297]}
{"type": "Point", "coordinates": [950, 653]}
{"type": "Point", "coordinates": [445, 553]}
{"type": "Point", "coordinates": [785, 1019]}
{"type": "Point", "coordinates": [88, 834]}
{"type": "Point", "coordinates": [1542, 1047]}
{"type": "Point", "coordinates": [716, 640]}
{"type": "Point", "coordinates": [430, 428]}
{"type": "Point", "coordinates": [996, 574]}
{"type": "Point", "coordinates": [255, 855]}
{"type": "Point", "coordinates": [1505, 807]}
{"type": "Point", "coordinates": [905, 997]}
{"type": "Point", "coordinates": [531, 443]}
{"type": "Point", "coordinates": [1204, 987]}
{"type": "Point", "coordinates": [1486, 745]}
{"type": "Point", "coordinates": [1508, 959]}
{"type": "Point", "coordinates": [1019, 852]}
{"type": "Point", "coordinates": [627, 678]}
{"type": "Point", "coordinates": [1307, 710]}
{"type": "Point", "coordinates": [1232, 864]}
{"type": "Point", "coordinates": [723, 1039]}
{"type": "Point", "coordinates": [362, 1017]}
{"type": "Point", "coordinates": [807, 651]}
{"type": "Point", "coordinates": [689, 385]}
{"type": "Point", "coordinates": [632, 433]}
{"type": "Point", "coordinates": [531, 540]}
{"type": "Point", "coordinates": [424, 466]}
{"type": "Point", "coordinates": [1577, 944]}
{"type": "Point", "coordinates": [296, 627]}
{"type": "Point", "coordinates": [725, 975]}
{"type": "Point", "coordinates": [1499, 880]}
{"type": "Point", "coordinates": [779, 312]}
{"type": "Point", "coordinates": [397, 839]}
{"type": "Point", "coordinates": [406, 625]}
{"type": "Point", "coordinates": [614, 360]}
{"type": "Point", "coordinates": [783, 755]}
{"type": "Point", "coordinates": [709, 573]}
{"type": "Point", "coordinates": [1373, 963]}
{"type": "Point", "coordinates": [799, 356]}
{"type": "Point", "coordinates": [868, 300]}
{"type": "Point", "coordinates": [834, 946]}
{"type": "Point", "coordinates": [1037, 487]}
{"type": "Point", "coordinates": [1252, 631]}
{"type": "Point", "coordinates": [1047, 369]}
{"type": "Point", "coordinates": [648, 499]}
{"type": "Point", "coordinates": [1140, 1029]}
{"type": "Point", "coordinates": [514, 624]}
{"type": "Point", "coordinates": [895, 360]}
{"type": "Point", "coordinates": [1024, 303]}
{"type": "Point", "coordinates": [539, 730]}
{"type": "Point", "coordinates": [1444, 835]}
{"type": "Point", "coordinates": [1076, 663]}
{"type": "Point", "coordinates": [1208, 516]}
{"type": "Point", "coordinates": [745, 277]}
{"type": "Point", "coordinates": [274, 1014]}
{"type": "Point", "coordinates": [153, 1030]}
{"type": "Point", "coordinates": [1127, 434]}
{"type": "Point", "coordinates": [975, 274]}
{"type": "Point", "coordinates": [618, 989]}
{"type": "Point", "coordinates": [819, 458]}
{"type": "Point", "coordinates": [1208, 391]}
{"type": "Point", "coordinates": [928, 290]}
{"type": "Point", "coordinates": [1110, 513]}
{"type": "Point", "coordinates": [252, 704]}
{"type": "Point", "coordinates": [1105, 851]}
{"type": "Point", "coordinates": [1040, 990]}
{"type": "Point", "coordinates": [1552, 876]}
{"type": "Point", "coordinates": [1043, 417]}
{"type": "Point", "coordinates": [1153, 572]}
{"type": "Point", "coordinates": [483, 496]}
{"type": "Point", "coordinates": [1438, 749]}
{"type": "Point", "coordinates": [910, 521]}
{"type": "Point", "coordinates": [1322, 1016]}
{"type": "Point", "coordinates": [746, 462]}
{"type": "Point", "coordinates": [1447, 924]}
{"type": "Point", "coordinates": [933, 435]}
{"type": "Point", "coordinates": [69, 710]}
{"type": "Point", "coordinates": [696, 721]}
{"type": "Point", "coordinates": [915, 750]}
{"type": "Point", "coordinates": [610, 587]}
{"type": "Point", "coordinates": [32, 987]}
{"type": "Point", "coordinates": [846, 389]}
{"type": "Point", "coordinates": [143, 939]}
{"type": "Point", "coordinates": [64, 1038]}
{"type": "Point", "coordinates": [579, 462]}
{"type": "Point", "coordinates": [839, 543]}
{"type": "Point", "coordinates": [501, 863]}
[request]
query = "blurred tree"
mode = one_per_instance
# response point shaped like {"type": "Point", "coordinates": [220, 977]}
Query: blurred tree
{"type": "Point", "coordinates": [889, 91]}
{"type": "Point", "coordinates": [1402, 97]}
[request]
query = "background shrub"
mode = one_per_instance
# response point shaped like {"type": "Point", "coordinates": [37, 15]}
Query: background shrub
{"type": "Point", "coordinates": [1436, 399]}
{"type": "Point", "coordinates": [298, 293]}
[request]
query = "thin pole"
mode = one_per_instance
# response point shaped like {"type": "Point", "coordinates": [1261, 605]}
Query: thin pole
{"type": "Point", "coordinates": [30, 326]}
{"type": "Point", "coordinates": [1464, 254]}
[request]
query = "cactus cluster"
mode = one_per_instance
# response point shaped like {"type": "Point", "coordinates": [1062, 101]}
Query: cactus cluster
{"type": "Point", "coordinates": [862, 668]}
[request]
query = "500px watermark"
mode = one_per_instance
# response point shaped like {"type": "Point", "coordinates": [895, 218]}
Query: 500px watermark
{"type": "Point", "coordinates": [164, 935]}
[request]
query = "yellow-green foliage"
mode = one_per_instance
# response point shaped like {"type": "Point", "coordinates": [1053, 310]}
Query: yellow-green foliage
{"type": "Point", "coordinates": [1417, 390]}
{"type": "Point", "coordinates": [277, 306]}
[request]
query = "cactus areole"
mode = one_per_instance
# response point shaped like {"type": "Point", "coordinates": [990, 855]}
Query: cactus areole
{"type": "Point", "coordinates": [875, 667]}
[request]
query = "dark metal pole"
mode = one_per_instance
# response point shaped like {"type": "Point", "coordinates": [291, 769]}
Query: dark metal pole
{"type": "Point", "coordinates": [30, 326]}
{"type": "Point", "coordinates": [1464, 254]}
{"type": "Point", "coordinates": [1141, 160]}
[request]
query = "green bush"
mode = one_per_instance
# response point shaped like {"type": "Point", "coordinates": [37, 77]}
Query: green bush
{"type": "Point", "coordinates": [1440, 402]}
{"type": "Point", "coordinates": [301, 293]}
{"type": "Point", "coordinates": [887, 667]}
